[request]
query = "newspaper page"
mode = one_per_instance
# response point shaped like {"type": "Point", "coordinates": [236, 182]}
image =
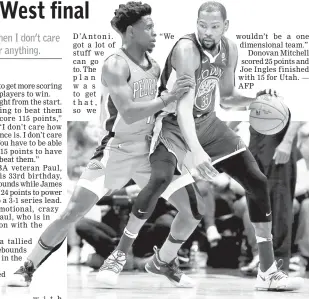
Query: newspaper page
{"type": "Point", "coordinates": [52, 54]}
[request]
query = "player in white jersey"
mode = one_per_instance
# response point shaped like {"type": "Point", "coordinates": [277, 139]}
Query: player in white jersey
{"type": "Point", "coordinates": [129, 79]}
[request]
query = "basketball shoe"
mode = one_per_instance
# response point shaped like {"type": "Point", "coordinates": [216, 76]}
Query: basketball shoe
{"type": "Point", "coordinates": [170, 270]}
{"type": "Point", "coordinates": [109, 272]}
{"type": "Point", "coordinates": [23, 276]}
{"type": "Point", "coordinates": [276, 280]}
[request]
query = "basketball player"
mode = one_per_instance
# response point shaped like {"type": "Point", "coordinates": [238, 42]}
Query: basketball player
{"type": "Point", "coordinates": [211, 59]}
{"type": "Point", "coordinates": [276, 156]}
{"type": "Point", "coordinates": [129, 79]}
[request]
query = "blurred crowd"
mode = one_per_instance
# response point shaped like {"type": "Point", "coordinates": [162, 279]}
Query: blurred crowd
{"type": "Point", "coordinates": [225, 237]}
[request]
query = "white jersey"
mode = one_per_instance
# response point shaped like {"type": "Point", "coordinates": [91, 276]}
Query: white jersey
{"type": "Point", "coordinates": [143, 82]}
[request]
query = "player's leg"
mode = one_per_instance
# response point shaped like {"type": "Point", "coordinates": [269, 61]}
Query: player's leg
{"type": "Point", "coordinates": [164, 149]}
{"type": "Point", "coordinates": [230, 155]}
{"type": "Point", "coordinates": [282, 181]}
{"type": "Point", "coordinates": [191, 208]}
{"type": "Point", "coordinates": [163, 165]}
{"type": "Point", "coordinates": [52, 238]}
{"type": "Point", "coordinates": [207, 194]}
{"type": "Point", "coordinates": [244, 169]}
{"type": "Point", "coordinates": [161, 173]}
{"type": "Point", "coordinates": [241, 210]}
{"type": "Point", "coordinates": [90, 188]}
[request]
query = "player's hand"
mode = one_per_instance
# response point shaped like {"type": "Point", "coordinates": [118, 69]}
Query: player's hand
{"type": "Point", "coordinates": [282, 153]}
{"type": "Point", "coordinates": [271, 92]}
{"type": "Point", "coordinates": [182, 86]}
{"type": "Point", "coordinates": [203, 167]}
{"type": "Point", "coordinates": [221, 181]}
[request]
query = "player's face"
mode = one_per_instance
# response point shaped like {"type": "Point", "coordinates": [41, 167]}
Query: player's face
{"type": "Point", "coordinates": [210, 28]}
{"type": "Point", "coordinates": [144, 33]}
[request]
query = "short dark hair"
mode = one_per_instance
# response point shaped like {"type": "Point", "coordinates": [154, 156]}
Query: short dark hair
{"type": "Point", "coordinates": [212, 6]}
{"type": "Point", "coordinates": [128, 14]}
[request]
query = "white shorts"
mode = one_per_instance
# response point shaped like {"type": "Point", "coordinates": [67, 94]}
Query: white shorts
{"type": "Point", "coordinates": [120, 162]}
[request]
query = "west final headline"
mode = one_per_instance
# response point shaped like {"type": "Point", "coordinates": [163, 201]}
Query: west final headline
{"type": "Point", "coordinates": [56, 10]}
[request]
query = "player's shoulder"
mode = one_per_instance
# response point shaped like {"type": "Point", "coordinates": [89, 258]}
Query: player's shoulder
{"type": "Point", "coordinates": [115, 65]}
{"type": "Point", "coordinates": [186, 44]}
{"type": "Point", "coordinates": [186, 51]}
{"type": "Point", "coordinates": [233, 51]}
{"type": "Point", "coordinates": [231, 44]}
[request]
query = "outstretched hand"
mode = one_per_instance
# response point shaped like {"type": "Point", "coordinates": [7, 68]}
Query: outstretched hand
{"type": "Point", "coordinates": [203, 166]}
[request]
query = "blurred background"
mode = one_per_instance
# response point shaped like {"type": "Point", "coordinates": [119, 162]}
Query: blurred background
{"type": "Point", "coordinates": [225, 237]}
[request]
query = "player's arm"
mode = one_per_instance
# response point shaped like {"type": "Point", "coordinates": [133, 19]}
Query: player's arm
{"type": "Point", "coordinates": [115, 73]}
{"type": "Point", "coordinates": [186, 59]}
{"type": "Point", "coordinates": [230, 96]}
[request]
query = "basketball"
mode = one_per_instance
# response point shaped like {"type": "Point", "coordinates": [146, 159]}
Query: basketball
{"type": "Point", "coordinates": [269, 115]}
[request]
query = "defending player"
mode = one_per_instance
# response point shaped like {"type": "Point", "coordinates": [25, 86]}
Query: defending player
{"type": "Point", "coordinates": [211, 59]}
{"type": "Point", "coordinates": [129, 79]}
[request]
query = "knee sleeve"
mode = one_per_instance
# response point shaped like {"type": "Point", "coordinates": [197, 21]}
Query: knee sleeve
{"type": "Point", "coordinates": [258, 199]}
{"type": "Point", "coordinates": [245, 170]}
{"type": "Point", "coordinates": [163, 165]}
{"type": "Point", "coordinates": [160, 180]}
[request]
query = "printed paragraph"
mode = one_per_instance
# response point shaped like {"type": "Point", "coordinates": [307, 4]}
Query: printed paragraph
{"type": "Point", "coordinates": [31, 149]}
{"type": "Point", "coordinates": [13, 249]}
{"type": "Point", "coordinates": [271, 57]}
{"type": "Point", "coordinates": [88, 52]}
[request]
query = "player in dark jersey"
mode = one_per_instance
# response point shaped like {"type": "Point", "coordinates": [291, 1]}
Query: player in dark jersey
{"type": "Point", "coordinates": [211, 59]}
{"type": "Point", "coordinates": [277, 157]}
{"type": "Point", "coordinates": [129, 79]}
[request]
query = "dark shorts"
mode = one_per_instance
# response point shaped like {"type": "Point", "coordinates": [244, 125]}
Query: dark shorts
{"type": "Point", "coordinates": [216, 138]}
